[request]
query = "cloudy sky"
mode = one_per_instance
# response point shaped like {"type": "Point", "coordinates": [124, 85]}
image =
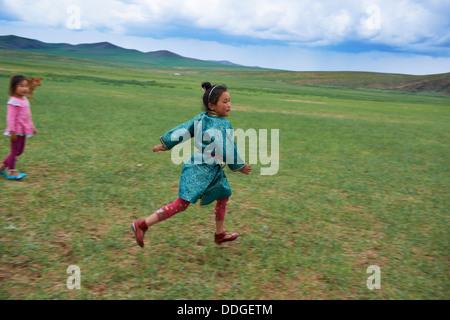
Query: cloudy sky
{"type": "Point", "coordinates": [398, 36]}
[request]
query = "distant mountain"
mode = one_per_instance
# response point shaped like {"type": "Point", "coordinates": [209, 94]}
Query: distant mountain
{"type": "Point", "coordinates": [99, 45]}
{"type": "Point", "coordinates": [110, 53]}
{"type": "Point", "coordinates": [104, 49]}
{"type": "Point", "coordinates": [163, 53]}
{"type": "Point", "coordinates": [225, 62]}
{"type": "Point", "coordinates": [18, 43]}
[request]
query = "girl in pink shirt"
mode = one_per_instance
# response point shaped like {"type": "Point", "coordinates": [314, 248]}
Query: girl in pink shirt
{"type": "Point", "coordinates": [19, 125]}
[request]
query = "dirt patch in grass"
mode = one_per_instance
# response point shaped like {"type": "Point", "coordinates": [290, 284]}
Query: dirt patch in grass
{"type": "Point", "coordinates": [3, 69]}
{"type": "Point", "coordinates": [306, 101]}
{"type": "Point", "coordinates": [327, 115]}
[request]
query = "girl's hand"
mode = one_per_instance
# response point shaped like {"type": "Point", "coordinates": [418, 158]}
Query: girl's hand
{"type": "Point", "coordinates": [158, 148]}
{"type": "Point", "coordinates": [246, 170]}
{"type": "Point", "coordinates": [13, 136]}
{"type": "Point", "coordinates": [35, 132]}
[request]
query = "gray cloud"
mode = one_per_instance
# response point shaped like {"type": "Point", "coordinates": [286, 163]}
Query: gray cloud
{"type": "Point", "coordinates": [406, 23]}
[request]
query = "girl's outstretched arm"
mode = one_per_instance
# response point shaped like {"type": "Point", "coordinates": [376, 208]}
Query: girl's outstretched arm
{"type": "Point", "coordinates": [159, 148]}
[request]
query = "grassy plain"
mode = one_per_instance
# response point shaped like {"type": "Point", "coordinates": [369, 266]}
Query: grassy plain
{"type": "Point", "coordinates": [363, 180]}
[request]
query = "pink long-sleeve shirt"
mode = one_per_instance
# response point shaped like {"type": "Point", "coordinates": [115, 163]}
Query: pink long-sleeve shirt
{"type": "Point", "coordinates": [18, 117]}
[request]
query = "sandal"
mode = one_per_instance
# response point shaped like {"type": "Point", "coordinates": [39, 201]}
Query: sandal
{"type": "Point", "coordinates": [139, 228]}
{"type": "Point", "coordinates": [20, 176]}
{"type": "Point", "coordinates": [222, 237]}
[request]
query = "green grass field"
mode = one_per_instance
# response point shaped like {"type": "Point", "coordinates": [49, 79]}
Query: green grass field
{"type": "Point", "coordinates": [363, 180]}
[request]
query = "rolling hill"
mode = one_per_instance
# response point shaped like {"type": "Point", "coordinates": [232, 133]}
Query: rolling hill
{"type": "Point", "coordinates": [18, 43]}
{"type": "Point", "coordinates": [107, 52]}
{"type": "Point", "coordinates": [103, 51]}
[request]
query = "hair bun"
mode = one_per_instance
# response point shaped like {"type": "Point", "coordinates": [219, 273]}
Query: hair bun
{"type": "Point", "coordinates": [206, 86]}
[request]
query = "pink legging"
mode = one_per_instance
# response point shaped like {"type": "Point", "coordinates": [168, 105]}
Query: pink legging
{"type": "Point", "coordinates": [180, 205]}
{"type": "Point", "coordinates": [17, 148]}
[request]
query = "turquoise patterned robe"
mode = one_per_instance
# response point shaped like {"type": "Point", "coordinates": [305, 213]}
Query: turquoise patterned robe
{"type": "Point", "coordinates": [202, 176]}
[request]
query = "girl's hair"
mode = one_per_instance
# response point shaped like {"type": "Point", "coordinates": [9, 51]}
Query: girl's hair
{"type": "Point", "coordinates": [14, 82]}
{"type": "Point", "coordinates": [212, 93]}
